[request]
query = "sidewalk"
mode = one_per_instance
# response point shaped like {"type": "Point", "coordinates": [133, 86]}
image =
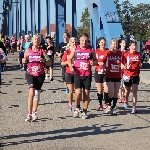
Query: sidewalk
{"type": "Point", "coordinates": [56, 129]}
{"type": "Point", "coordinates": [145, 75]}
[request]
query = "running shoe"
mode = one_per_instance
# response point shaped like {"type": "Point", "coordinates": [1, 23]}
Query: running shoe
{"type": "Point", "coordinates": [70, 107]}
{"type": "Point", "coordinates": [105, 105]}
{"type": "Point", "coordinates": [125, 104]}
{"type": "Point", "coordinates": [113, 111]}
{"type": "Point", "coordinates": [100, 108]}
{"type": "Point", "coordinates": [29, 117]}
{"type": "Point", "coordinates": [22, 69]}
{"type": "Point", "coordinates": [133, 110]}
{"type": "Point", "coordinates": [108, 110]}
{"type": "Point", "coordinates": [84, 115]}
{"type": "Point", "coordinates": [67, 90]}
{"type": "Point", "coordinates": [46, 77]}
{"type": "Point", "coordinates": [120, 100]}
{"type": "Point", "coordinates": [51, 79]}
{"type": "Point", "coordinates": [34, 116]}
{"type": "Point", "coordinates": [76, 113]}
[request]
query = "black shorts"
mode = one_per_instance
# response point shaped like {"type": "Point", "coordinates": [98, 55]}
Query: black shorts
{"type": "Point", "coordinates": [133, 80]}
{"type": "Point", "coordinates": [20, 60]}
{"type": "Point", "coordinates": [0, 80]}
{"type": "Point", "coordinates": [99, 78]}
{"type": "Point", "coordinates": [113, 79]}
{"type": "Point", "coordinates": [69, 78]}
{"type": "Point", "coordinates": [25, 67]}
{"type": "Point", "coordinates": [14, 45]}
{"type": "Point", "coordinates": [35, 82]}
{"type": "Point", "coordinates": [51, 63]}
{"type": "Point", "coordinates": [82, 82]}
{"type": "Point", "coordinates": [63, 72]}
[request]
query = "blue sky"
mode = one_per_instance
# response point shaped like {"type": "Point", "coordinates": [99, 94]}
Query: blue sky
{"type": "Point", "coordinates": [80, 7]}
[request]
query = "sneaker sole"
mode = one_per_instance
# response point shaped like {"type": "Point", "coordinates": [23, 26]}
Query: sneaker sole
{"type": "Point", "coordinates": [28, 120]}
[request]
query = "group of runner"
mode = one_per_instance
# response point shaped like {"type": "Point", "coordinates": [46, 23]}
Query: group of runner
{"type": "Point", "coordinates": [116, 71]}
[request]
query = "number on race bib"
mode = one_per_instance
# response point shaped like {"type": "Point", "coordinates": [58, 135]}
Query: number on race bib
{"type": "Point", "coordinates": [83, 66]}
{"type": "Point", "coordinates": [35, 69]}
{"type": "Point", "coordinates": [126, 78]}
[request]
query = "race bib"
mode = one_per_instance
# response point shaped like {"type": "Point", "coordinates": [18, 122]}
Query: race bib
{"type": "Point", "coordinates": [114, 68]}
{"type": "Point", "coordinates": [35, 69]}
{"type": "Point", "coordinates": [50, 52]}
{"type": "Point", "coordinates": [84, 66]}
{"type": "Point", "coordinates": [101, 71]}
{"type": "Point", "coordinates": [126, 78]}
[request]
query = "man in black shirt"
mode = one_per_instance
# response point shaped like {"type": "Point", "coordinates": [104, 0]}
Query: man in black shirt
{"type": "Point", "coordinates": [60, 51]}
{"type": "Point", "coordinates": [50, 52]}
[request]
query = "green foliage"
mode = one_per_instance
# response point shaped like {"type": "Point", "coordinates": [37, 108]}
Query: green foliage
{"type": "Point", "coordinates": [134, 18]}
{"type": "Point", "coordinates": [85, 23]}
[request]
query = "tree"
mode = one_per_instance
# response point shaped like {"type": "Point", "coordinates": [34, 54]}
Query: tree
{"type": "Point", "coordinates": [141, 21]}
{"type": "Point", "coordinates": [85, 23]}
{"type": "Point", "coordinates": [134, 18]}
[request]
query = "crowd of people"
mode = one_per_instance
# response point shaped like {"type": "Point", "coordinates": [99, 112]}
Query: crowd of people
{"type": "Point", "coordinates": [117, 70]}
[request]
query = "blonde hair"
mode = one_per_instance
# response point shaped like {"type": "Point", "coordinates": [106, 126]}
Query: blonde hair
{"type": "Point", "coordinates": [69, 44]}
{"type": "Point", "coordinates": [36, 36]}
{"type": "Point", "coordinates": [113, 40]}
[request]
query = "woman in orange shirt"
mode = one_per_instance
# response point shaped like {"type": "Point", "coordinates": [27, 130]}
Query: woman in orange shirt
{"type": "Point", "coordinates": [69, 74]}
{"type": "Point", "coordinates": [100, 74]}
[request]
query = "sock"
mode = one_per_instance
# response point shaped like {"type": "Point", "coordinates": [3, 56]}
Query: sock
{"type": "Point", "coordinates": [114, 102]}
{"type": "Point", "coordinates": [84, 110]}
{"type": "Point", "coordinates": [106, 97]}
{"type": "Point", "coordinates": [78, 106]}
{"type": "Point", "coordinates": [100, 98]}
{"type": "Point", "coordinates": [110, 100]}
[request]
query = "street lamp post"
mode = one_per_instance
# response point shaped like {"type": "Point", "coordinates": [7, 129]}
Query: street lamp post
{"type": "Point", "coordinates": [65, 15]}
{"type": "Point", "coordinates": [7, 4]}
{"type": "Point", "coordinates": [17, 20]}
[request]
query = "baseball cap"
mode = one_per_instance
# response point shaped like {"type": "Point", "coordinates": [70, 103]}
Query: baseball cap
{"type": "Point", "coordinates": [26, 36]}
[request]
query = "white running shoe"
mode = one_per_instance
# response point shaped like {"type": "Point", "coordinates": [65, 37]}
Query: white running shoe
{"type": "Point", "coordinates": [34, 116]}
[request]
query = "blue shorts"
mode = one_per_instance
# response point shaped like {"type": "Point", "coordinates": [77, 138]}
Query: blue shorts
{"type": "Point", "coordinates": [21, 55]}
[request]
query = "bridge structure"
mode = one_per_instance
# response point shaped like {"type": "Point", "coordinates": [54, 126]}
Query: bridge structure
{"type": "Point", "coordinates": [104, 19]}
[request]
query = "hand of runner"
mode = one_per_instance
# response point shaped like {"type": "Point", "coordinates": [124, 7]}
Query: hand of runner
{"type": "Point", "coordinates": [149, 61]}
{"type": "Point", "coordinates": [71, 68]}
{"type": "Point", "coordinates": [128, 67]}
{"type": "Point", "coordinates": [24, 60]}
{"type": "Point", "coordinates": [91, 62]}
{"type": "Point", "coordinates": [59, 54]}
{"type": "Point", "coordinates": [42, 60]}
{"type": "Point", "coordinates": [101, 63]}
{"type": "Point", "coordinates": [0, 52]}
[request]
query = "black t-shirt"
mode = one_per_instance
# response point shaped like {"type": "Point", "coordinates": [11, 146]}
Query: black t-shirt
{"type": "Point", "coordinates": [50, 51]}
{"type": "Point", "coordinates": [61, 47]}
{"type": "Point", "coordinates": [3, 47]}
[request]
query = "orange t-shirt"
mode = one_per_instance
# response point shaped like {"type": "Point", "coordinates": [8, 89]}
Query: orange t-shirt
{"type": "Point", "coordinates": [100, 54]}
{"type": "Point", "coordinates": [65, 58]}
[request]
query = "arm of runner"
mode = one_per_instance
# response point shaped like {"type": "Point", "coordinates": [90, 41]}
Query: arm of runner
{"type": "Point", "coordinates": [124, 62]}
{"type": "Point", "coordinates": [102, 62]}
{"type": "Point", "coordinates": [95, 61]}
{"type": "Point", "coordinates": [71, 56]}
{"type": "Point", "coordinates": [46, 59]}
{"type": "Point", "coordinates": [24, 60]}
{"type": "Point", "coordinates": [64, 61]}
{"type": "Point", "coordinates": [58, 51]}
